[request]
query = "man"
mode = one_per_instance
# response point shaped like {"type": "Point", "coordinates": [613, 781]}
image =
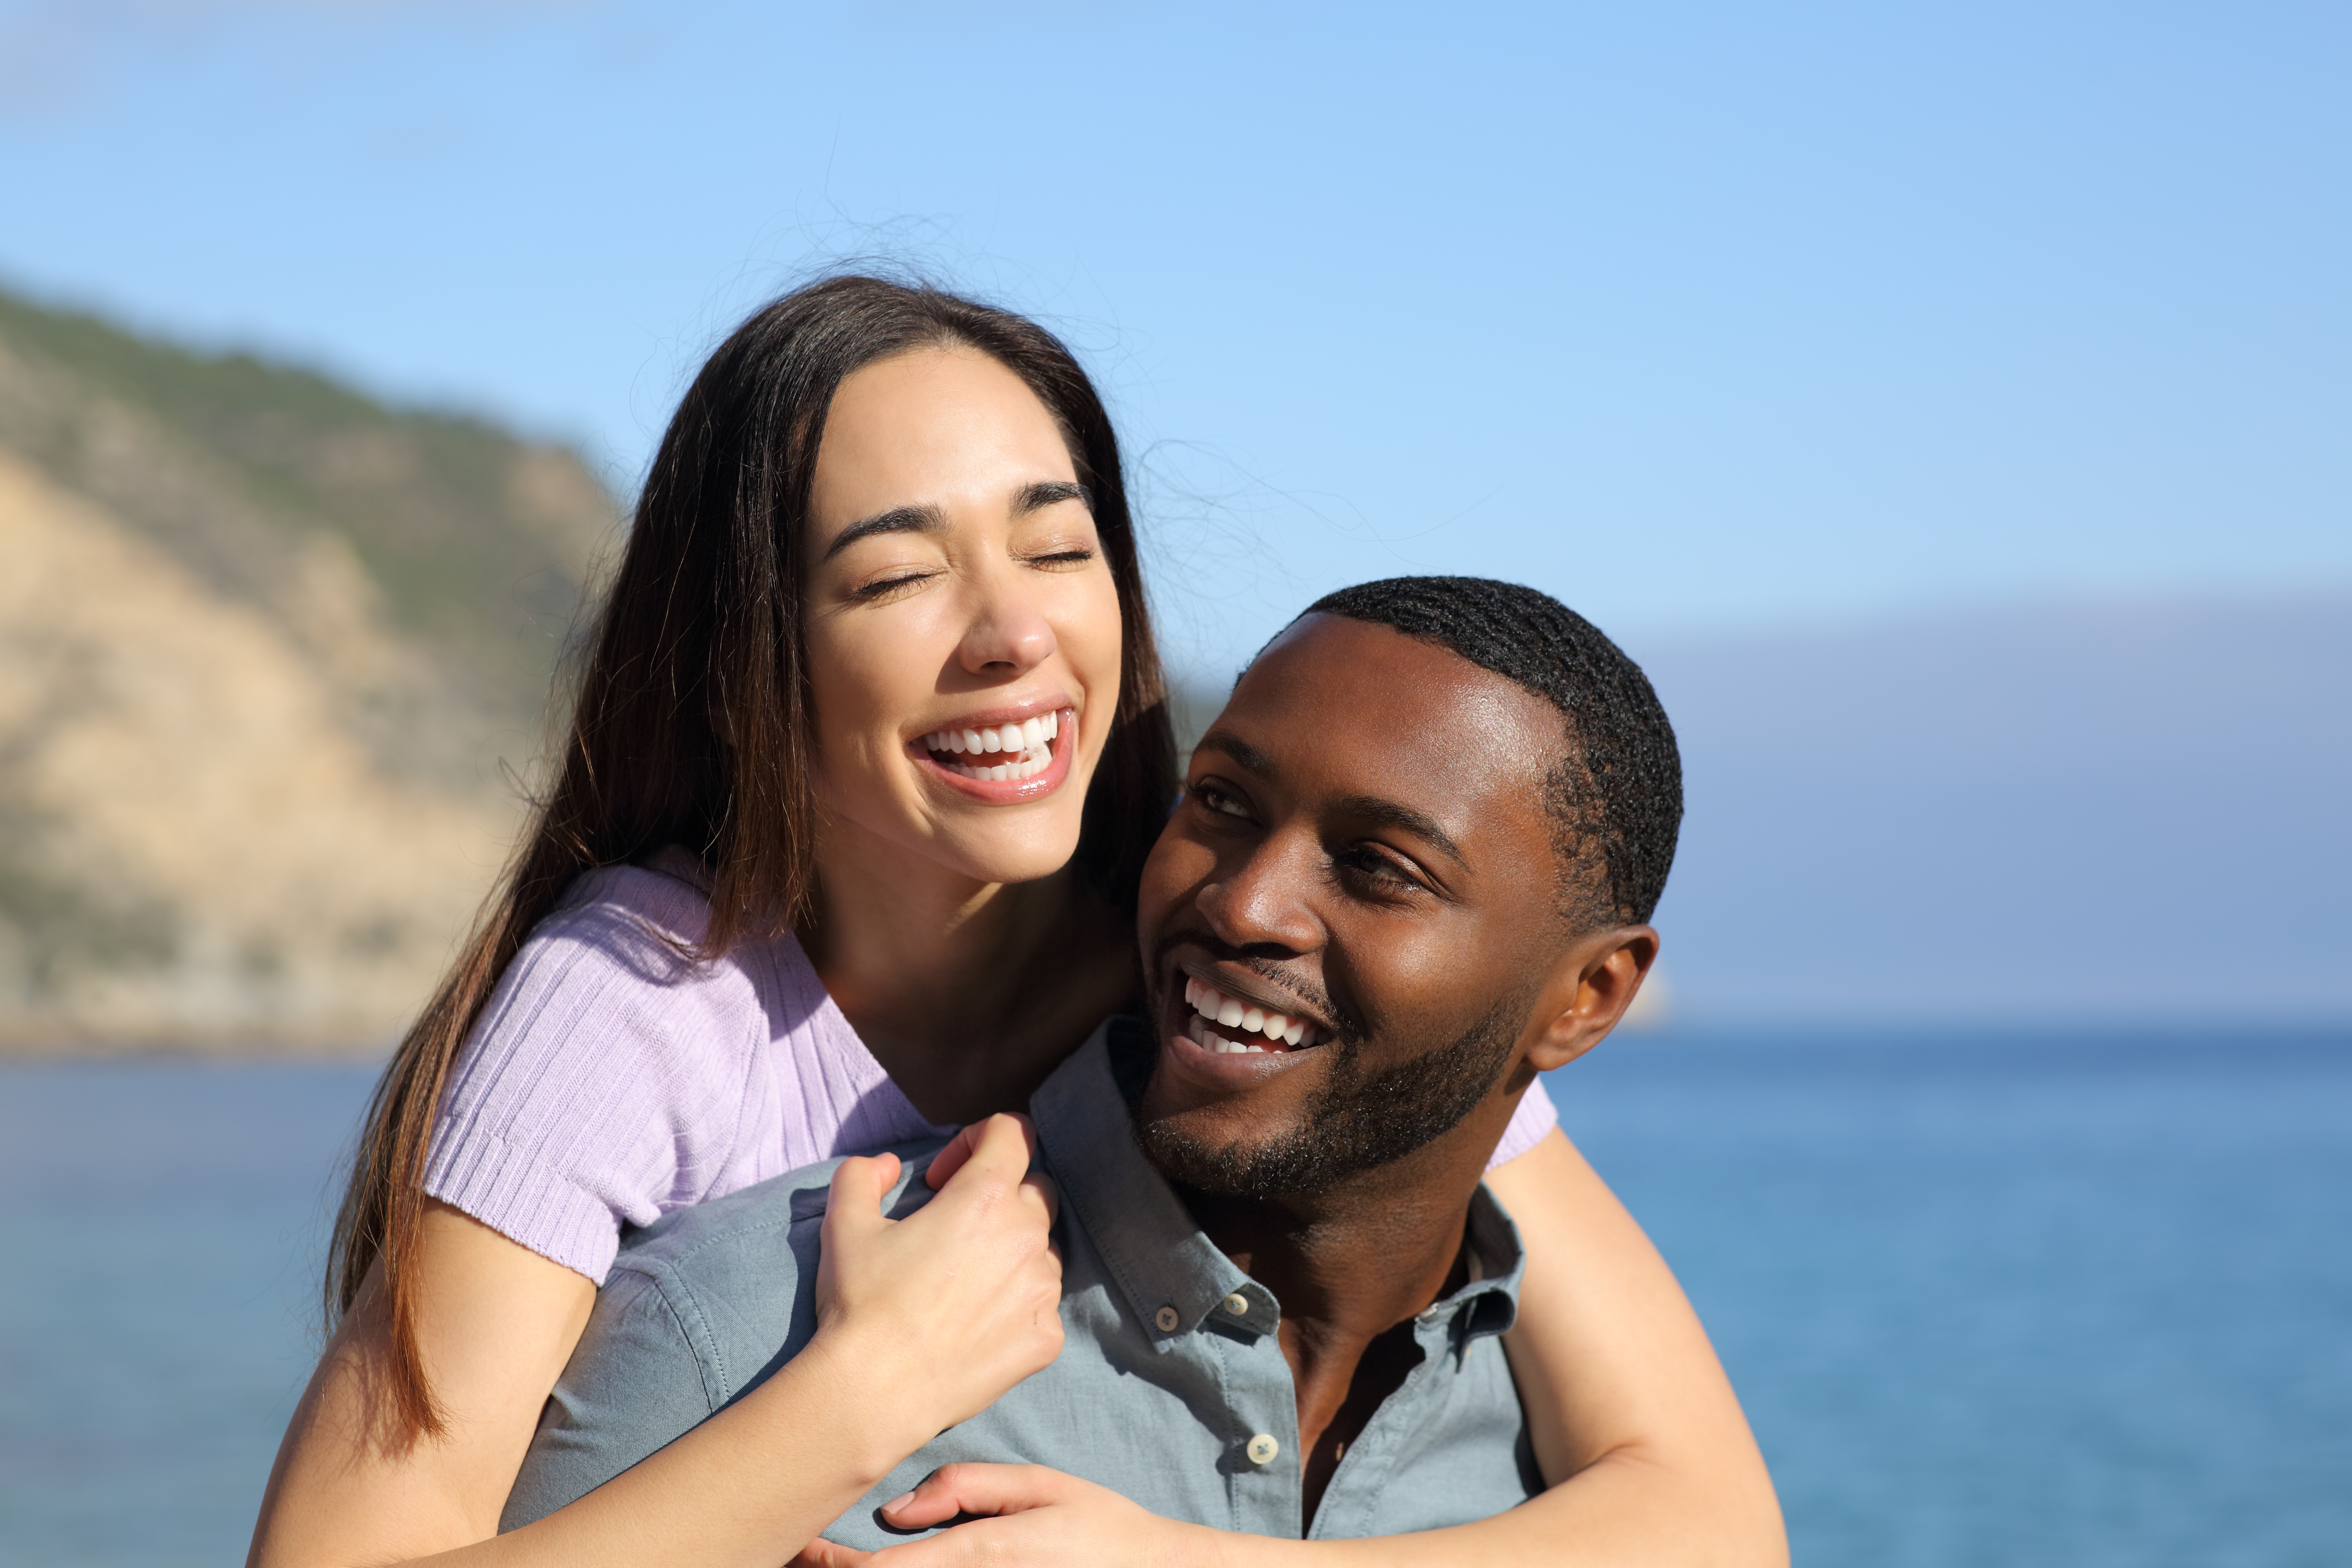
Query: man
{"type": "Point", "coordinates": [1410, 872]}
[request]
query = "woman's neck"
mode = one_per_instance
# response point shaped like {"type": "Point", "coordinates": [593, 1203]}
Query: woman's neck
{"type": "Point", "coordinates": [968, 992]}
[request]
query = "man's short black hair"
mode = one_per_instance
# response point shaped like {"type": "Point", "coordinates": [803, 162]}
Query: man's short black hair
{"type": "Point", "coordinates": [1617, 792]}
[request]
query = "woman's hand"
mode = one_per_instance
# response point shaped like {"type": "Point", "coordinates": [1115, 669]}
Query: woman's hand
{"type": "Point", "coordinates": [1034, 1515]}
{"type": "Point", "coordinates": [942, 1311]}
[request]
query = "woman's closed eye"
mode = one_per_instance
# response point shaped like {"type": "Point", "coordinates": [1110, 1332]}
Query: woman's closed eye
{"type": "Point", "coordinates": [890, 585]}
{"type": "Point", "coordinates": [1062, 560]}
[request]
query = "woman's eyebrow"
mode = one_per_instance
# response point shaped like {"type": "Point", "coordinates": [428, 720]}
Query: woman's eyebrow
{"type": "Point", "coordinates": [927, 519]}
{"type": "Point", "coordinates": [1048, 492]}
{"type": "Point", "coordinates": [898, 520]}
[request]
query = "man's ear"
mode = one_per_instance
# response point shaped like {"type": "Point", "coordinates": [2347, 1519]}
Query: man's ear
{"type": "Point", "coordinates": [1589, 990]}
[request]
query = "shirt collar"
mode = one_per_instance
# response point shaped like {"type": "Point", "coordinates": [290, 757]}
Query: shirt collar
{"type": "Point", "coordinates": [1174, 1278]}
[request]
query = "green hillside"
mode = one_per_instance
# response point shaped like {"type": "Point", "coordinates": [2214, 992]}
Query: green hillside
{"type": "Point", "coordinates": [477, 542]}
{"type": "Point", "coordinates": [273, 655]}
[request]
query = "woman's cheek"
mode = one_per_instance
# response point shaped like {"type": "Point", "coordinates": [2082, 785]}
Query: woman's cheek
{"type": "Point", "coordinates": [1096, 641]}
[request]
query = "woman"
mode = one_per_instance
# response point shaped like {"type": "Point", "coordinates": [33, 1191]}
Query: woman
{"type": "Point", "coordinates": [842, 852]}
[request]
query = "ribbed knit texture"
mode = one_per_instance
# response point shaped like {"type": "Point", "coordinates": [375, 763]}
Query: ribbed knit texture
{"type": "Point", "coordinates": [611, 1080]}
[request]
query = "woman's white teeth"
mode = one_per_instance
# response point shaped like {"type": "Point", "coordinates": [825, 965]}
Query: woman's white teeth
{"type": "Point", "coordinates": [1209, 1007]}
{"type": "Point", "coordinates": [1027, 746]}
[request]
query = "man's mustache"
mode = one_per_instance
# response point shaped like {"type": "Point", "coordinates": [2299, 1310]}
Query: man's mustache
{"type": "Point", "coordinates": [1346, 1027]}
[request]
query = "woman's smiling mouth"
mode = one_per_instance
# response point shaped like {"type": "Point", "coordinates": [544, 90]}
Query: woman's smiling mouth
{"type": "Point", "coordinates": [1010, 758]}
{"type": "Point", "coordinates": [1021, 751]}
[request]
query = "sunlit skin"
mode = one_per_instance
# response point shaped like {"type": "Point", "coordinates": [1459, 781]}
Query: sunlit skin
{"type": "Point", "coordinates": [968, 982]}
{"type": "Point", "coordinates": [1363, 843]}
{"type": "Point", "coordinates": [955, 939]}
{"type": "Point", "coordinates": [954, 575]}
{"type": "Point", "coordinates": [955, 579]}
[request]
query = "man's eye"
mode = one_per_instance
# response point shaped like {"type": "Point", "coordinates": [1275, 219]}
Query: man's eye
{"type": "Point", "coordinates": [1218, 801]}
{"type": "Point", "coordinates": [1375, 866]}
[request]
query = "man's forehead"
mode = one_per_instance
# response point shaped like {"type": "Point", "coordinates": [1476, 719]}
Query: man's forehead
{"type": "Point", "coordinates": [1359, 707]}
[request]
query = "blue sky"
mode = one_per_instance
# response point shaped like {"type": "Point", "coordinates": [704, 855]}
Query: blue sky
{"type": "Point", "coordinates": [1704, 318]}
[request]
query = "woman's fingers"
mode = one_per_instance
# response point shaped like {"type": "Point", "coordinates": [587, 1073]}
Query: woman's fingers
{"type": "Point", "coordinates": [977, 1488]}
{"type": "Point", "coordinates": [958, 1301]}
{"type": "Point", "coordinates": [1040, 1188]}
{"type": "Point", "coordinates": [859, 1185]}
{"type": "Point", "coordinates": [1003, 1145]}
{"type": "Point", "coordinates": [824, 1553]}
{"type": "Point", "coordinates": [1028, 1513]}
{"type": "Point", "coordinates": [949, 1160]}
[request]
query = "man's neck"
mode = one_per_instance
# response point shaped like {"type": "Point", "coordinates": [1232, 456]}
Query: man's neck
{"type": "Point", "coordinates": [1352, 1267]}
{"type": "Point", "coordinates": [968, 992]}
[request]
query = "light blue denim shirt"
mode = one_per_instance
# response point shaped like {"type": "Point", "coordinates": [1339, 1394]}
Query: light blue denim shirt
{"type": "Point", "coordinates": [1170, 1387]}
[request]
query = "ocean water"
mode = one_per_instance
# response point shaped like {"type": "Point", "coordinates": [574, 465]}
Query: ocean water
{"type": "Point", "coordinates": [2076, 1301]}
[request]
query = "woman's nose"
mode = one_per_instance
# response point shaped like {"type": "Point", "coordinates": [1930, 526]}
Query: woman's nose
{"type": "Point", "coordinates": [1008, 635]}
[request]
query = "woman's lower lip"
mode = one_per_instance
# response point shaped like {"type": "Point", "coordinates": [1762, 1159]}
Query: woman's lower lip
{"type": "Point", "coordinates": [1009, 792]}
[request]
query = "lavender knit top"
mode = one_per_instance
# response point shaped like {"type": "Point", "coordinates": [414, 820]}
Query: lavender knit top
{"type": "Point", "coordinates": [611, 1080]}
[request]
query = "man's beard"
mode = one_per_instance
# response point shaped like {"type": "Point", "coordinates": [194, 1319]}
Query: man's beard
{"type": "Point", "coordinates": [1356, 1122]}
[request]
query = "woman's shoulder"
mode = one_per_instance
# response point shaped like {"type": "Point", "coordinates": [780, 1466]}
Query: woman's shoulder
{"type": "Point", "coordinates": [660, 905]}
{"type": "Point", "coordinates": [604, 1081]}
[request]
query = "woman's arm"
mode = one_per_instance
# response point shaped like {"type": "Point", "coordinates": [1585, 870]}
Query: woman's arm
{"type": "Point", "coordinates": [922, 1323]}
{"type": "Point", "coordinates": [1650, 1462]}
{"type": "Point", "coordinates": [1635, 1426]}
{"type": "Point", "coordinates": [495, 1324]}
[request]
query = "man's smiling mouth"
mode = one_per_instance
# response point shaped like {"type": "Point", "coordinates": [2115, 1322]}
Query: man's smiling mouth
{"type": "Point", "coordinates": [1227, 1025]}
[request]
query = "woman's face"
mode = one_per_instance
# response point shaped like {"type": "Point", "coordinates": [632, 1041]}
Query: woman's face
{"type": "Point", "coordinates": [963, 630]}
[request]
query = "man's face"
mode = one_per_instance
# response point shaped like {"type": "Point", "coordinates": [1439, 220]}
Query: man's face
{"type": "Point", "coordinates": [1348, 918]}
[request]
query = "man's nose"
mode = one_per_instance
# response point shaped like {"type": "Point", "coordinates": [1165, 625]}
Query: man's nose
{"type": "Point", "coordinates": [1009, 633]}
{"type": "Point", "coordinates": [1260, 900]}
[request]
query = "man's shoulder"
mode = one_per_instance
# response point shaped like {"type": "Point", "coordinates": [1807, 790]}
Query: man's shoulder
{"type": "Point", "coordinates": [701, 1306]}
{"type": "Point", "coordinates": [712, 1244]}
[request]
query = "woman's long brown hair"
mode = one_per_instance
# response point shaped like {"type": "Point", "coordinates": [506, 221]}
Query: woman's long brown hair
{"type": "Point", "coordinates": [691, 725]}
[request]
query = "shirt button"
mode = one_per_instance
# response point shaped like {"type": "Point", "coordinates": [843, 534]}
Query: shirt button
{"type": "Point", "coordinates": [1237, 1304]}
{"type": "Point", "coordinates": [1263, 1448]}
{"type": "Point", "coordinates": [1167, 1320]}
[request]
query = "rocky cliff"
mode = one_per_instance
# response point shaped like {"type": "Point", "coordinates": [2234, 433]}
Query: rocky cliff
{"type": "Point", "coordinates": [274, 660]}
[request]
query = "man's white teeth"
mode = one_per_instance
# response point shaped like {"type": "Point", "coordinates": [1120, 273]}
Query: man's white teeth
{"type": "Point", "coordinates": [1028, 748]}
{"type": "Point", "coordinates": [1208, 1039]}
{"type": "Point", "coordinates": [1209, 1007]}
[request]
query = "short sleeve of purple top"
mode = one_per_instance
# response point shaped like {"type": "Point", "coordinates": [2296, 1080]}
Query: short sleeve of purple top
{"type": "Point", "coordinates": [611, 1080]}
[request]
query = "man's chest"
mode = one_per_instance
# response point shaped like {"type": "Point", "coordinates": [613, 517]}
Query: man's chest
{"type": "Point", "coordinates": [1204, 1428]}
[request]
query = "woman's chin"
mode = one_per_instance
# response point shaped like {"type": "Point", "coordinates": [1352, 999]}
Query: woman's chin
{"type": "Point", "coordinates": [1000, 857]}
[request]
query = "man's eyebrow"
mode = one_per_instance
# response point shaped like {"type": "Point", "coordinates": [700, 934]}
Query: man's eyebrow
{"type": "Point", "coordinates": [1048, 492]}
{"type": "Point", "coordinates": [898, 520]}
{"type": "Point", "coordinates": [1239, 751]}
{"type": "Point", "coordinates": [1387, 812]}
{"type": "Point", "coordinates": [1404, 819]}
